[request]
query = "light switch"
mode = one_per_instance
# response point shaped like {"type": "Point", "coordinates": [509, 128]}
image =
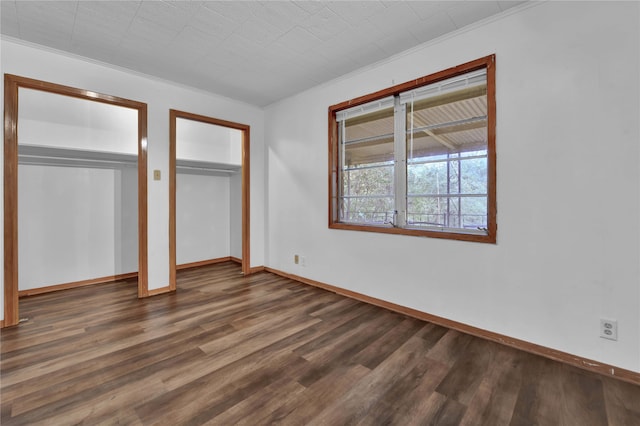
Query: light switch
{"type": "Point", "coordinates": [156, 175]}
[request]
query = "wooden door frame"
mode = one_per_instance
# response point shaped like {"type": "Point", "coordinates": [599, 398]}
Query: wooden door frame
{"type": "Point", "coordinates": [246, 143]}
{"type": "Point", "coordinates": [12, 84]}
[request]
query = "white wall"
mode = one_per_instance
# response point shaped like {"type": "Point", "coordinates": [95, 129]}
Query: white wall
{"type": "Point", "coordinates": [75, 223]}
{"type": "Point", "coordinates": [568, 131]}
{"type": "Point", "coordinates": [196, 140]}
{"type": "Point", "coordinates": [65, 122]}
{"type": "Point", "coordinates": [29, 61]}
{"type": "Point", "coordinates": [203, 208]}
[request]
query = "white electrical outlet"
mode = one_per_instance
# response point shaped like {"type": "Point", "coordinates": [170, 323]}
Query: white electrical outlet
{"type": "Point", "coordinates": [303, 261]}
{"type": "Point", "coordinates": [609, 329]}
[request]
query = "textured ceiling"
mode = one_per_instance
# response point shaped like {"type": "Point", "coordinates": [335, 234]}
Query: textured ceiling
{"type": "Point", "coordinates": [257, 52]}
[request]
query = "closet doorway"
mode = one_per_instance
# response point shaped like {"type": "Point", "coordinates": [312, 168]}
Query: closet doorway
{"type": "Point", "coordinates": [208, 158]}
{"type": "Point", "coordinates": [79, 160]}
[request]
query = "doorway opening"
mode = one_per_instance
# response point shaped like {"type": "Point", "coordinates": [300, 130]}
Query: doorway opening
{"type": "Point", "coordinates": [208, 158]}
{"type": "Point", "coordinates": [67, 135]}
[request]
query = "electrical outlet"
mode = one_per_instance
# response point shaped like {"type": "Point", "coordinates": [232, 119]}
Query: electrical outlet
{"type": "Point", "coordinates": [296, 259]}
{"type": "Point", "coordinates": [303, 261]}
{"type": "Point", "coordinates": [156, 175]}
{"type": "Point", "coordinates": [609, 329]}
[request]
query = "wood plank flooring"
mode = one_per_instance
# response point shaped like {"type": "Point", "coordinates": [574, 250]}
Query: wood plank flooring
{"type": "Point", "coordinates": [260, 350]}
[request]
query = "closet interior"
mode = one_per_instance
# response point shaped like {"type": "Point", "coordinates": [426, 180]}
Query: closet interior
{"type": "Point", "coordinates": [208, 192]}
{"type": "Point", "coordinates": [77, 190]}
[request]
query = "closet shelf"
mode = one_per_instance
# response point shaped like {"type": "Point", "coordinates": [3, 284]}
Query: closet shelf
{"type": "Point", "coordinates": [71, 157]}
{"type": "Point", "coordinates": [205, 167]}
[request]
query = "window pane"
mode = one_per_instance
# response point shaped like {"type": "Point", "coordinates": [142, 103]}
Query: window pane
{"type": "Point", "coordinates": [426, 211]}
{"type": "Point", "coordinates": [430, 178]}
{"type": "Point", "coordinates": [474, 212]}
{"type": "Point", "coordinates": [369, 181]}
{"type": "Point", "coordinates": [375, 210]}
{"type": "Point", "coordinates": [473, 174]}
{"type": "Point", "coordinates": [446, 142]}
{"type": "Point", "coordinates": [367, 168]}
{"type": "Point", "coordinates": [468, 212]}
{"type": "Point", "coordinates": [368, 139]}
{"type": "Point", "coordinates": [434, 211]}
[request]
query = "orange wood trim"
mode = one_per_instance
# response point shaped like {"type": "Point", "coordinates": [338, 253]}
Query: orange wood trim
{"type": "Point", "coordinates": [235, 259]}
{"type": "Point", "coordinates": [172, 199]}
{"type": "Point", "coordinates": [12, 83]}
{"type": "Point", "coordinates": [203, 262]}
{"type": "Point", "coordinates": [333, 169]}
{"type": "Point", "coordinates": [210, 120]}
{"type": "Point", "coordinates": [487, 62]}
{"type": "Point", "coordinates": [1, 323]}
{"type": "Point", "coordinates": [30, 83]}
{"type": "Point", "coordinates": [246, 201]}
{"type": "Point", "coordinates": [574, 360]}
{"type": "Point", "coordinates": [418, 82]}
{"type": "Point", "coordinates": [492, 201]}
{"type": "Point", "coordinates": [246, 197]}
{"type": "Point", "coordinates": [143, 284]}
{"type": "Point", "coordinates": [257, 269]}
{"type": "Point", "coordinates": [161, 290]}
{"type": "Point", "coordinates": [58, 287]}
{"type": "Point", "coordinates": [10, 200]}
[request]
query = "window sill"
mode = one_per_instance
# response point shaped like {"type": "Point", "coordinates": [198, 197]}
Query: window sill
{"type": "Point", "coordinates": [462, 235]}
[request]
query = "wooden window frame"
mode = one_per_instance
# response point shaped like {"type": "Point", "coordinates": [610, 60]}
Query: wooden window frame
{"type": "Point", "coordinates": [488, 63]}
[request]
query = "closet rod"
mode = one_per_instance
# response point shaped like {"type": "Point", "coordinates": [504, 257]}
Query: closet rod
{"type": "Point", "coordinates": [72, 162]}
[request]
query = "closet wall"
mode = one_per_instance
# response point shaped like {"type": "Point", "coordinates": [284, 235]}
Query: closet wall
{"type": "Point", "coordinates": [208, 192]}
{"type": "Point", "coordinates": [235, 221]}
{"type": "Point", "coordinates": [202, 217]}
{"type": "Point", "coordinates": [77, 190]}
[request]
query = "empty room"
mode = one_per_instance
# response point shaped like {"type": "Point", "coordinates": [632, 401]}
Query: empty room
{"type": "Point", "coordinates": [320, 212]}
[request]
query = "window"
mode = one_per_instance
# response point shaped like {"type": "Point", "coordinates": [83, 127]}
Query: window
{"type": "Point", "coordinates": [418, 158]}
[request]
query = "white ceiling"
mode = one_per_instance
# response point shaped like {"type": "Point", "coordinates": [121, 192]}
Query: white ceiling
{"type": "Point", "coordinates": [254, 51]}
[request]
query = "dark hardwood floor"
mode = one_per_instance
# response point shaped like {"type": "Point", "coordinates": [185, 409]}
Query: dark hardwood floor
{"type": "Point", "coordinates": [228, 350]}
